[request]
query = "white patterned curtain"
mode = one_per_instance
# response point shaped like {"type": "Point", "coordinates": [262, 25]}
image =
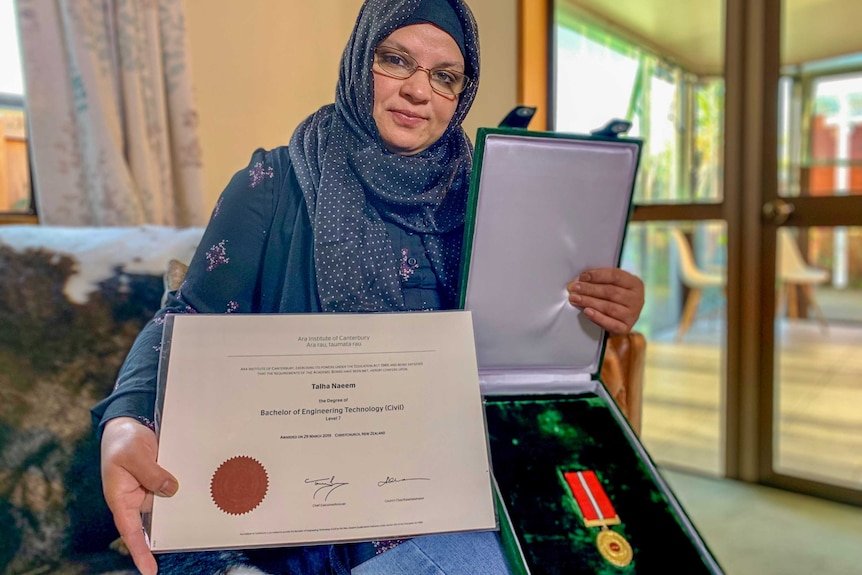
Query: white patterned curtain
{"type": "Point", "coordinates": [113, 125]}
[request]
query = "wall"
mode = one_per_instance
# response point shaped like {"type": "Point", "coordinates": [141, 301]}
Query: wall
{"type": "Point", "coordinates": [262, 66]}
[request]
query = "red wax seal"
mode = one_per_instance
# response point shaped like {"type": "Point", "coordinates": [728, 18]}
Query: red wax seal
{"type": "Point", "coordinates": [239, 485]}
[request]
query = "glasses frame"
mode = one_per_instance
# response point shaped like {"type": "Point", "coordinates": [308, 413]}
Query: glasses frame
{"type": "Point", "coordinates": [416, 67]}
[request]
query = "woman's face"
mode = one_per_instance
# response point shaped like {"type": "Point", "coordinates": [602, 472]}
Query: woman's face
{"type": "Point", "coordinates": [410, 116]}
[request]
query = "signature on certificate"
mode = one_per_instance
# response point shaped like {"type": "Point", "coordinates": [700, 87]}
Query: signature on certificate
{"type": "Point", "coordinates": [325, 485]}
{"type": "Point", "coordinates": [391, 480]}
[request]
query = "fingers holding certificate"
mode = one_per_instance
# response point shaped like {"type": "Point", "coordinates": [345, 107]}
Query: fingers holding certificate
{"type": "Point", "coordinates": [299, 429]}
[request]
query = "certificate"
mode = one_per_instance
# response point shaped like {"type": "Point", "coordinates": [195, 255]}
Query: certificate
{"type": "Point", "coordinates": [319, 428]}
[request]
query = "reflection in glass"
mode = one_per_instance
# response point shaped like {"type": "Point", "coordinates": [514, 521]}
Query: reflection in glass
{"type": "Point", "coordinates": [818, 334]}
{"type": "Point", "coordinates": [684, 321]}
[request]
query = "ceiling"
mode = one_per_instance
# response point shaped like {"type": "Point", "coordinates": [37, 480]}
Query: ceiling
{"type": "Point", "coordinates": [691, 32]}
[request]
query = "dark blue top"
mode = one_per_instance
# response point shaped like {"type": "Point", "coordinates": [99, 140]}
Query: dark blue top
{"type": "Point", "coordinates": [256, 256]}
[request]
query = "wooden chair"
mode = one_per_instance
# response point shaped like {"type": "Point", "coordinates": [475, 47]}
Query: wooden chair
{"type": "Point", "coordinates": [694, 278]}
{"type": "Point", "coordinates": [623, 374]}
{"type": "Point", "coordinates": [794, 272]}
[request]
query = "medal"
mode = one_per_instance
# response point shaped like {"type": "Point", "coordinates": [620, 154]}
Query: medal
{"type": "Point", "coordinates": [598, 511]}
{"type": "Point", "coordinates": [614, 547]}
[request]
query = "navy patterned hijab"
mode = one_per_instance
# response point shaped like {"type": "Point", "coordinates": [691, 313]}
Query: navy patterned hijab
{"type": "Point", "coordinates": [351, 183]}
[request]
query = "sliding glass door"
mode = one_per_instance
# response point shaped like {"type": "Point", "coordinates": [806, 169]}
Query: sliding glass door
{"type": "Point", "coordinates": [815, 213]}
{"type": "Point", "coordinates": [748, 223]}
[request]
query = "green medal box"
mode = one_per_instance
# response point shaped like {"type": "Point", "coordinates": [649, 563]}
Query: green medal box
{"type": "Point", "coordinates": [578, 492]}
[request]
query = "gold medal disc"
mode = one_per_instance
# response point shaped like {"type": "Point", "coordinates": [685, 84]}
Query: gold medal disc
{"type": "Point", "coordinates": [614, 548]}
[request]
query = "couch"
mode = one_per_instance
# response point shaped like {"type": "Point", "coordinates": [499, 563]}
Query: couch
{"type": "Point", "coordinates": [72, 301]}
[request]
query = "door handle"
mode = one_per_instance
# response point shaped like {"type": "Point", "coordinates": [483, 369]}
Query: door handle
{"type": "Point", "coordinates": [777, 211]}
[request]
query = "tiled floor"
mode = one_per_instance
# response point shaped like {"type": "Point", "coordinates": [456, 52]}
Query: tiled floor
{"type": "Point", "coordinates": [756, 530]}
{"type": "Point", "coordinates": [818, 394]}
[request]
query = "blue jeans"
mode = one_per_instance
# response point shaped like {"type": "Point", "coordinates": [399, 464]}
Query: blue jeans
{"type": "Point", "coordinates": [475, 553]}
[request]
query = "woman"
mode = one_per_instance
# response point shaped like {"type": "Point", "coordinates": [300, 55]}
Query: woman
{"type": "Point", "coordinates": [363, 211]}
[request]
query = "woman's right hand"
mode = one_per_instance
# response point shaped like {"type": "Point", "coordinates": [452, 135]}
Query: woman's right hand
{"type": "Point", "coordinates": [129, 474]}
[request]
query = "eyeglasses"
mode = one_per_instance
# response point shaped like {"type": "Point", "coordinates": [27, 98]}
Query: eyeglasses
{"type": "Point", "coordinates": [401, 65]}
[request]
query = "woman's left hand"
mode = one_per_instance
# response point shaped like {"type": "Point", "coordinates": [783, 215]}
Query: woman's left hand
{"type": "Point", "coordinates": [611, 297]}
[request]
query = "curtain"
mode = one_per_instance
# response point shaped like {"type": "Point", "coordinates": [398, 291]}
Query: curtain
{"type": "Point", "coordinates": [112, 121]}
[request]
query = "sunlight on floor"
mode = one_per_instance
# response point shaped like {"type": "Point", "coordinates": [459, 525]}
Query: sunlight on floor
{"type": "Point", "coordinates": [818, 394]}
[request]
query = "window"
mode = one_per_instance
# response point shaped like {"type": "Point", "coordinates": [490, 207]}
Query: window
{"type": "Point", "coordinates": [15, 188]}
{"type": "Point", "coordinates": [820, 154]}
{"type": "Point", "coordinates": [820, 131]}
{"type": "Point", "coordinates": [678, 114]}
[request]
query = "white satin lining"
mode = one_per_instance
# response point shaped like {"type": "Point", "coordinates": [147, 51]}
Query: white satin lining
{"type": "Point", "coordinates": [548, 209]}
{"type": "Point", "coordinates": [535, 382]}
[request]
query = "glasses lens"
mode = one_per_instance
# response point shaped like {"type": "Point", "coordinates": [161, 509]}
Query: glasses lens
{"type": "Point", "coordinates": [447, 81]}
{"type": "Point", "coordinates": [395, 63]}
{"type": "Point", "coordinates": [400, 65]}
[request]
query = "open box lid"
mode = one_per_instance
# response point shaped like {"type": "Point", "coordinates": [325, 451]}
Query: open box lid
{"type": "Point", "coordinates": [543, 207]}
